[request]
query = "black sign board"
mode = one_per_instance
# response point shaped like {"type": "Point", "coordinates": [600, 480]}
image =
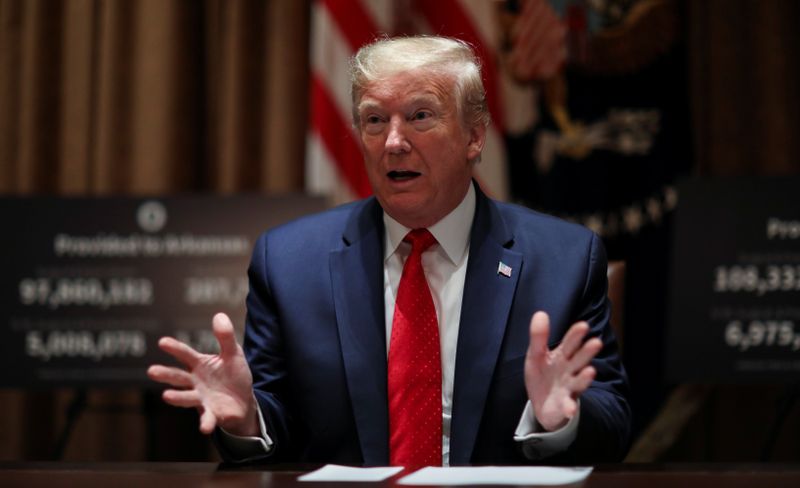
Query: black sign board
{"type": "Point", "coordinates": [735, 293]}
{"type": "Point", "coordinates": [88, 285]}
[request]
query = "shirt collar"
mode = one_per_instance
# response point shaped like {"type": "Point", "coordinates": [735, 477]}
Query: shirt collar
{"type": "Point", "coordinates": [452, 232]}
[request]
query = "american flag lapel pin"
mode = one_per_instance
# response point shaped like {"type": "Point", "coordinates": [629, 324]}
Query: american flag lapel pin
{"type": "Point", "coordinates": [504, 269]}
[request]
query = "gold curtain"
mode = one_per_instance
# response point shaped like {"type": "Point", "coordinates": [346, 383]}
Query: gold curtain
{"type": "Point", "coordinates": [151, 96]}
{"type": "Point", "coordinates": [143, 97]}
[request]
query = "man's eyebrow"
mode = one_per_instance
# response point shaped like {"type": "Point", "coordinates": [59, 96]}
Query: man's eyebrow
{"type": "Point", "coordinates": [426, 98]}
{"type": "Point", "coordinates": [363, 106]}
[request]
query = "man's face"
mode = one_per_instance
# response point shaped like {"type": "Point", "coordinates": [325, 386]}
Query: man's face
{"type": "Point", "coordinates": [416, 148]}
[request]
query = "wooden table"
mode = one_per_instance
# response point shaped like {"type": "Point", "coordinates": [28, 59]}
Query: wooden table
{"type": "Point", "coordinates": [179, 475]}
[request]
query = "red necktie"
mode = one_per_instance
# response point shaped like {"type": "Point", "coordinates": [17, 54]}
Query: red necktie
{"type": "Point", "coordinates": [415, 368]}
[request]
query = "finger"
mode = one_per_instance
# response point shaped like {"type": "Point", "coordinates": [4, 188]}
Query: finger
{"type": "Point", "coordinates": [182, 398]}
{"type": "Point", "coordinates": [208, 421]}
{"type": "Point", "coordinates": [582, 380]}
{"type": "Point", "coordinates": [573, 338]}
{"type": "Point", "coordinates": [569, 407]}
{"type": "Point", "coordinates": [539, 333]}
{"type": "Point", "coordinates": [172, 376]}
{"type": "Point", "coordinates": [586, 353]}
{"type": "Point", "coordinates": [224, 332]}
{"type": "Point", "coordinates": [180, 351]}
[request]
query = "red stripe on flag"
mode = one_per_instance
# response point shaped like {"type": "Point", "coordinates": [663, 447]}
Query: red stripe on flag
{"type": "Point", "coordinates": [355, 24]}
{"type": "Point", "coordinates": [447, 18]}
{"type": "Point", "coordinates": [335, 133]}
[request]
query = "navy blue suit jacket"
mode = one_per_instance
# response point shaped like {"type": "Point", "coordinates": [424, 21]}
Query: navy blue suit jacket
{"type": "Point", "coordinates": [315, 336]}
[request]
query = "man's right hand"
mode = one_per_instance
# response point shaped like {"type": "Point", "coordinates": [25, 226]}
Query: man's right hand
{"type": "Point", "coordinates": [220, 385]}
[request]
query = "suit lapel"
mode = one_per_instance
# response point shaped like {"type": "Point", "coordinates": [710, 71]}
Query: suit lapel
{"type": "Point", "coordinates": [487, 300]}
{"type": "Point", "coordinates": [357, 278]}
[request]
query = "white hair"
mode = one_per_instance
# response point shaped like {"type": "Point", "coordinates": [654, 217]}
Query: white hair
{"type": "Point", "coordinates": [386, 57]}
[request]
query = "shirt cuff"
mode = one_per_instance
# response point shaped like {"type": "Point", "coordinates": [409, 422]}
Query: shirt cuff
{"type": "Point", "coordinates": [247, 448]}
{"type": "Point", "coordinates": [538, 444]}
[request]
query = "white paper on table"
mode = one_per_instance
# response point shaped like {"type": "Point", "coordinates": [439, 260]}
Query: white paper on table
{"type": "Point", "coordinates": [496, 475]}
{"type": "Point", "coordinates": [334, 472]}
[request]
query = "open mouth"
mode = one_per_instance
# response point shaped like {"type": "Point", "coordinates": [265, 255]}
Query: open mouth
{"type": "Point", "coordinates": [402, 175]}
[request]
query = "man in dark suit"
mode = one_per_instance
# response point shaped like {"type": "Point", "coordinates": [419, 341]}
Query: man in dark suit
{"type": "Point", "coordinates": [503, 354]}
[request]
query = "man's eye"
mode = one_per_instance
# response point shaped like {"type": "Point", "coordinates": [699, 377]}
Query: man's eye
{"type": "Point", "coordinates": [421, 115]}
{"type": "Point", "coordinates": [373, 119]}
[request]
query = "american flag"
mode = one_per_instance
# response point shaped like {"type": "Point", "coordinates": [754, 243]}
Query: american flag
{"type": "Point", "coordinates": [334, 165]}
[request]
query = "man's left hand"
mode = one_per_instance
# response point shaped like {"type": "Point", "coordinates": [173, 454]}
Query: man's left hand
{"type": "Point", "coordinates": [555, 379]}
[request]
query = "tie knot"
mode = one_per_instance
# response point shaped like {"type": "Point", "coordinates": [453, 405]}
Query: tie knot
{"type": "Point", "coordinates": [420, 240]}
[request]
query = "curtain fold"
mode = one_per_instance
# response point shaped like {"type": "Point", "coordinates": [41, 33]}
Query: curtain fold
{"type": "Point", "coordinates": [152, 96]}
{"type": "Point", "coordinates": [744, 75]}
{"type": "Point", "coordinates": [108, 97]}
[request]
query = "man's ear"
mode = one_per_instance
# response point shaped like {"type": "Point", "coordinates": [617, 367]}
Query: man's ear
{"type": "Point", "coordinates": [477, 138]}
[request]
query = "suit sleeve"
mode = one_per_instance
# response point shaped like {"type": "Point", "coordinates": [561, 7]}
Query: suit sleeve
{"type": "Point", "coordinates": [266, 357]}
{"type": "Point", "coordinates": [605, 417]}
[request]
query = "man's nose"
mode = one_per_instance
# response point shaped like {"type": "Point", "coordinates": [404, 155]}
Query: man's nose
{"type": "Point", "coordinates": [396, 141]}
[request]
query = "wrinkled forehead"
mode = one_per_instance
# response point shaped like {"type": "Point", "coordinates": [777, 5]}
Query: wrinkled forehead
{"type": "Point", "coordinates": [422, 85]}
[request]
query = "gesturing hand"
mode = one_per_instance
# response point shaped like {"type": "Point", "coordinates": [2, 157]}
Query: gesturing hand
{"type": "Point", "coordinates": [554, 379]}
{"type": "Point", "coordinates": [220, 385]}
